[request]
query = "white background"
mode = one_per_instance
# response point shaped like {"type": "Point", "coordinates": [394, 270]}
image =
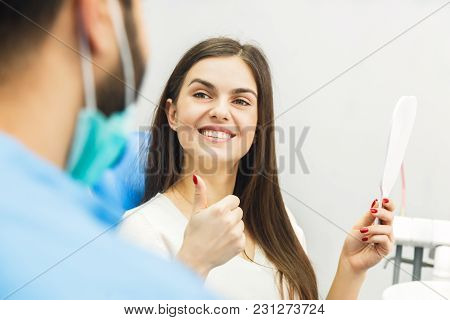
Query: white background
{"type": "Point", "coordinates": [114, 309]}
{"type": "Point", "coordinates": [308, 43]}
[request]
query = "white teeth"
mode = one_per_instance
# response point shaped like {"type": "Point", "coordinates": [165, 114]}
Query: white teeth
{"type": "Point", "coordinates": [215, 134]}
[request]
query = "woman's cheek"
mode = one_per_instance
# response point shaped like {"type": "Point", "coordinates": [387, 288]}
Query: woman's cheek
{"type": "Point", "coordinates": [184, 137]}
{"type": "Point", "coordinates": [246, 138]}
{"type": "Point", "coordinates": [186, 132]}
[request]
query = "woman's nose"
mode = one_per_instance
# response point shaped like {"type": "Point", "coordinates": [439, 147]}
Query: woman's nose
{"type": "Point", "coordinates": [220, 111]}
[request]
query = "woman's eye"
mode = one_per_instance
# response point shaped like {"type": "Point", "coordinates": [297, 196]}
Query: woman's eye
{"type": "Point", "coordinates": [242, 102]}
{"type": "Point", "coordinates": [201, 95]}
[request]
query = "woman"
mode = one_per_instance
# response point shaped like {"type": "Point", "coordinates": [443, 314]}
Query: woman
{"type": "Point", "coordinates": [215, 118]}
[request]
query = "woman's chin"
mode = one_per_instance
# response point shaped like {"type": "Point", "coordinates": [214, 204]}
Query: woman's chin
{"type": "Point", "coordinates": [216, 159]}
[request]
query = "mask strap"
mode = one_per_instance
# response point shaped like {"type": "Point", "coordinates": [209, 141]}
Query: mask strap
{"type": "Point", "coordinates": [90, 100]}
{"type": "Point", "coordinates": [124, 50]}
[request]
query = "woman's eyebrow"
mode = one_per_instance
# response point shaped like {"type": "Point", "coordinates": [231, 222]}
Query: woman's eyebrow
{"type": "Point", "coordinates": [244, 90]}
{"type": "Point", "coordinates": [203, 82]}
{"type": "Point", "coordinates": [212, 87]}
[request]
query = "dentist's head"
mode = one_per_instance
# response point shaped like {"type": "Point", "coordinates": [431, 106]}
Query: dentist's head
{"type": "Point", "coordinates": [68, 70]}
{"type": "Point", "coordinates": [117, 47]}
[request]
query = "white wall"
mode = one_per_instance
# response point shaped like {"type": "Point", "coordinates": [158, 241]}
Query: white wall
{"type": "Point", "coordinates": [308, 43]}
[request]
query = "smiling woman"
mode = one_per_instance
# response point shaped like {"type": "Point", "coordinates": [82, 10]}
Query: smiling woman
{"type": "Point", "coordinates": [209, 121]}
{"type": "Point", "coordinates": [214, 123]}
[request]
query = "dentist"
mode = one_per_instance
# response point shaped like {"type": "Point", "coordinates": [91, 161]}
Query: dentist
{"type": "Point", "coordinates": [61, 127]}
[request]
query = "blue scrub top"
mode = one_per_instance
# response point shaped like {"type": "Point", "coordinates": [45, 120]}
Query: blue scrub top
{"type": "Point", "coordinates": [59, 242]}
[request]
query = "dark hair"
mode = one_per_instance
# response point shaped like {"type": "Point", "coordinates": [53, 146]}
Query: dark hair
{"type": "Point", "coordinates": [21, 24]}
{"type": "Point", "coordinates": [265, 216]}
{"type": "Point", "coordinates": [17, 32]}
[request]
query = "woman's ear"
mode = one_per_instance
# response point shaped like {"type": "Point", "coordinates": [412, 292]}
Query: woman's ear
{"type": "Point", "coordinates": [171, 113]}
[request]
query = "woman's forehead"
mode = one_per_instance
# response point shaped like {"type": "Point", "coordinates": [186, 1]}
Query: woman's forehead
{"type": "Point", "coordinates": [223, 73]}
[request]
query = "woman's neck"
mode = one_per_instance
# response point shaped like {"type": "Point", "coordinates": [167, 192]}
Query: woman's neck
{"type": "Point", "coordinates": [219, 184]}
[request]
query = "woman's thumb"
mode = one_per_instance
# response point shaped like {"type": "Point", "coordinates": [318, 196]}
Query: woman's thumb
{"type": "Point", "coordinates": [200, 196]}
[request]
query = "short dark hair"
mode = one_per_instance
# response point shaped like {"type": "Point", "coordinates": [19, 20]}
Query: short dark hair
{"type": "Point", "coordinates": [21, 24]}
{"type": "Point", "coordinates": [17, 32]}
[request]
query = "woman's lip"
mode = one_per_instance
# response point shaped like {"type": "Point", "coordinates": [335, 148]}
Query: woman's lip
{"type": "Point", "coordinates": [214, 140]}
{"type": "Point", "coordinates": [217, 128]}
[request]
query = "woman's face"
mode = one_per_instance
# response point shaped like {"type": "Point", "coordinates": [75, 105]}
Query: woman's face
{"type": "Point", "coordinates": [215, 115]}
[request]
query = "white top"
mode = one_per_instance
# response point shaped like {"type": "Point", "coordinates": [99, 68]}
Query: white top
{"type": "Point", "coordinates": [158, 225]}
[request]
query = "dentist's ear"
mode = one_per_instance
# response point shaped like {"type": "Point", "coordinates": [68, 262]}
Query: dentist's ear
{"type": "Point", "coordinates": [171, 113]}
{"type": "Point", "coordinates": [96, 22]}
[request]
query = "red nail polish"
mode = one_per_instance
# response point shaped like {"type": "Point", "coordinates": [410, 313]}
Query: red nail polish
{"type": "Point", "coordinates": [365, 239]}
{"type": "Point", "coordinates": [194, 178]}
{"type": "Point", "coordinates": [385, 200]}
{"type": "Point", "coordinates": [364, 230]}
{"type": "Point", "coordinates": [374, 202]}
{"type": "Point", "coordinates": [373, 210]}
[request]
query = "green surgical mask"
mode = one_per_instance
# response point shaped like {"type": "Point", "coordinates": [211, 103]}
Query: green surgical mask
{"type": "Point", "coordinates": [100, 141]}
{"type": "Point", "coordinates": [98, 144]}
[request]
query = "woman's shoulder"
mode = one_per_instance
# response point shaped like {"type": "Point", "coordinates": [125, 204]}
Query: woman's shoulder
{"type": "Point", "coordinates": [151, 207]}
{"type": "Point", "coordinates": [139, 226]}
{"type": "Point", "coordinates": [155, 224]}
{"type": "Point", "coordinates": [159, 213]}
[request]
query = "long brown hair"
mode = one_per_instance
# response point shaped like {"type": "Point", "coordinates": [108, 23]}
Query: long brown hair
{"type": "Point", "coordinates": [265, 215]}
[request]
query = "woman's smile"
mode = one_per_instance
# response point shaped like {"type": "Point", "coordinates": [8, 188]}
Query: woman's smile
{"type": "Point", "coordinates": [216, 134]}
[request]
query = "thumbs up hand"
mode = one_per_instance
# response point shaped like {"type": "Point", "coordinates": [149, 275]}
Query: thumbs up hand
{"type": "Point", "coordinates": [214, 234]}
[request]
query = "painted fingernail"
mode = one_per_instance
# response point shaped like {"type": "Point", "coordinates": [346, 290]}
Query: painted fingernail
{"type": "Point", "coordinates": [365, 239]}
{"type": "Point", "coordinates": [385, 200]}
{"type": "Point", "coordinates": [373, 203]}
{"type": "Point", "coordinates": [194, 178]}
{"type": "Point", "coordinates": [364, 230]}
{"type": "Point", "coordinates": [373, 210]}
